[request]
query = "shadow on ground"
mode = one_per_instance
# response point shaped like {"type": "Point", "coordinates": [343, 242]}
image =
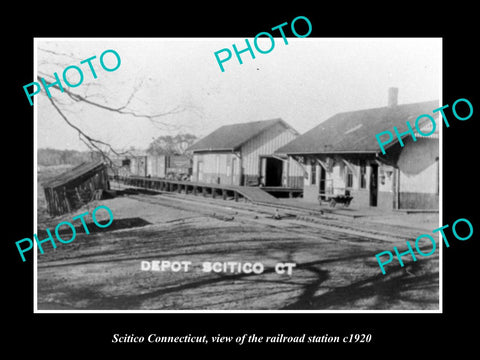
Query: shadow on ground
{"type": "Point", "coordinates": [409, 284]}
{"type": "Point", "coordinates": [116, 224]}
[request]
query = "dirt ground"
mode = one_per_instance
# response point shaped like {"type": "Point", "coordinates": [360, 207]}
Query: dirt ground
{"type": "Point", "coordinates": [336, 268]}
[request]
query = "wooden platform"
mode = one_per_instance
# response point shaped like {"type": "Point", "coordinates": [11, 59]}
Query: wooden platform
{"type": "Point", "coordinates": [253, 194]}
{"type": "Point", "coordinates": [282, 192]}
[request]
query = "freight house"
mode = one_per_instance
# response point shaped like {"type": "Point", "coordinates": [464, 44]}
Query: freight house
{"type": "Point", "coordinates": [243, 154]}
{"type": "Point", "coordinates": [342, 155]}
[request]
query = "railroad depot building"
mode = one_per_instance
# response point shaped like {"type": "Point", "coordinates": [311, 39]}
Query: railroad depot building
{"type": "Point", "coordinates": [243, 154]}
{"type": "Point", "coordinates": [342, 155]}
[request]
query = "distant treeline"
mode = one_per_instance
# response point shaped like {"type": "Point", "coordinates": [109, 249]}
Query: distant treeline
{"type": "Point", "coordinates": [48, 157]}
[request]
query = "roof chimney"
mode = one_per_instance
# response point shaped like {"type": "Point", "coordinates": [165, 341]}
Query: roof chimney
{"type": "Point", "coordinates": [392, 97]}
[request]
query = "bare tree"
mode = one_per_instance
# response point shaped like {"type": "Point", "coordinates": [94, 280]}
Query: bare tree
{"type": "Point", "coordinates": [171, 145]}
{"type": "Point", "coordinates": [95, 100]}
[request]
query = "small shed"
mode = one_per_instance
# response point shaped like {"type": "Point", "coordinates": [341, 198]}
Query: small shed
{"type": "Point", "coordinates": [75, 187]}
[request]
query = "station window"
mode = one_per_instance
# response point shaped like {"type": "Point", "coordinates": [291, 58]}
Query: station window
{"type": "Point", "coordinates": [314, 174]}
{"type": "Point", "coordinates": [363, 175]}
{"type": "Point", "coordinates": [349, 178]}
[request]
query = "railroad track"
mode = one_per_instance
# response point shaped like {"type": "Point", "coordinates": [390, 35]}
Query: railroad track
{"type": "Point", "coordinates": [293, 219]}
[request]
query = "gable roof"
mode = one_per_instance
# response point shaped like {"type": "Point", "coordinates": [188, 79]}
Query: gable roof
{"type": "Point", "coordinates": [232, 137]}
{"type": "Point", "coordinates": [74, 173]}
{"type": "Point", "coordinates": [354, 131]}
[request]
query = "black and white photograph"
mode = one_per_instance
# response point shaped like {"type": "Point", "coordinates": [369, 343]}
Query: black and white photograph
{"type": "Point", "coordinates": [223, 180]}
{"type": "Point", "coordinates": [207, 175]}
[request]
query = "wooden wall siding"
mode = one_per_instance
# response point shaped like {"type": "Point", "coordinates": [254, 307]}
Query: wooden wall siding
{"type": "Point", "coordinates": [419, 169]}
{"type": "Point", "coordinates": [295, 182]}
{"type": "Point", "coordinates": [214, 169]}
{"type": "Point", "coordinates": [133, 165]}
{"type": "Point", "coordinates": [74, 194]}
{"type": "Point", "coordinates": [419, 201]}
{"type": "Point", "coordinates": [156, 166]}
{"type": "Point", "coordinates": [138, 165]}
{"type": "Point", "coordinates": [295, 170]}
{"type": "Point", "coordinates": [215, 163]}
{"type": "Point", "coordinates": [265, 143]}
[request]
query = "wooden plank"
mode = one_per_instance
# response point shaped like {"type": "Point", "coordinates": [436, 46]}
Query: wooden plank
{"type": "Point", "coordinates": [350, 166]}
{"type": "Point", "coordinates": [256, 194]}
{"type": "Point", "coordinates": [69, 208]}
{"type": "Point", "coordinates": [78, 196]}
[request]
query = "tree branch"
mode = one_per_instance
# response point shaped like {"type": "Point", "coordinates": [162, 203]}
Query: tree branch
{"type": "Point", "coordinates": [119, 110]}
{"type": "Point", "coordinates": [60, 54]}
{"type": "Point", "coordinates": [92, 144]}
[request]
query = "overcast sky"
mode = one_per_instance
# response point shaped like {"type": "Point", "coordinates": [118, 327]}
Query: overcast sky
{"type": "Point", "coordinates": [304, 83]}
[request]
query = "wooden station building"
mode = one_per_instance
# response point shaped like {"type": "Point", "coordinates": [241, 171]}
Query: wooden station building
{"type": "Point", "coordinates": [342, 155]}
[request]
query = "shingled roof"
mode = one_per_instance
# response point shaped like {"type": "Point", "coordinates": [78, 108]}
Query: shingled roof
{"type": "Point", "coordinates": [354, 131]}
{"type": "Point", "coordinates": [74, 174]}
{"type": "Point", "coordinates": [232, 137]}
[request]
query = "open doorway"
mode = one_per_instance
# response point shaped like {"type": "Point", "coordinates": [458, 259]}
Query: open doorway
{"type": "Point", "coordinates": [321, 184]}
{"type": "Point", "coordinates": [373, 185]}
{"type": "Point", "coordinates": [272, 170]}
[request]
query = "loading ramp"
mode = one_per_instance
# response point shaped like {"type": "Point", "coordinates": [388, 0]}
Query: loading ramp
{"type": "Point", "coordinates": [253, 194]}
